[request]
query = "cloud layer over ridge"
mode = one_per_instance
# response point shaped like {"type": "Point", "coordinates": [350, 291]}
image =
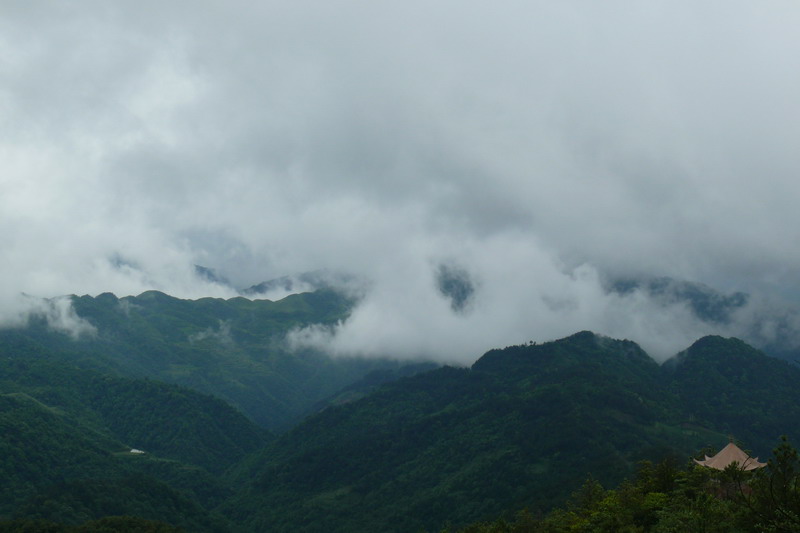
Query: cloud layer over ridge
{"type": "Point", "coordinates": [540, 148]}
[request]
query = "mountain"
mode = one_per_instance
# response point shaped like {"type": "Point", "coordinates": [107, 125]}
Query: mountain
{"type": "Point", "coordinates": [770, 325]}
{"type": "Point", "coordinates": [67, 437]}
{"type": "Point", "coordinates": [737, 389]}
{"type": "Point", "coordinates": [304, 282]}
{"type": "Point", "coordinates": [707, 303]}
{"type": "Point", "coordinates": [523, 427]}
{"type": "Point", "coordinates": [170, 421]}
{"type": "Point", "coordinates": [81, 386]}
{"type": "Point", "coordinates": [234, 349]}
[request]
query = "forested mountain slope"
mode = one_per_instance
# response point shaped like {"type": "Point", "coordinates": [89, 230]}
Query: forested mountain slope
{"type": "Point", "coordinates": [66, 436]}
{"type": "Point", "coordinates": [234, 349]}
{"type": "Point", "coordinates": [522, 428]}
{"type": "Point", "coordinates": [166, 420]}
{"type": "Point", "coordinates": [737, 389]}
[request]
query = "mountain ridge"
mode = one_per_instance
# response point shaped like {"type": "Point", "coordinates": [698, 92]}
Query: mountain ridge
{"type": "Point", "coordinates": [232, 348]}
{"type": "Point", "coordinates": [524, 426]}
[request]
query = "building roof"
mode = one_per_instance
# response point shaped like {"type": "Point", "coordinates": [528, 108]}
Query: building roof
{"type": "Point", "coordinates": [728, 455]}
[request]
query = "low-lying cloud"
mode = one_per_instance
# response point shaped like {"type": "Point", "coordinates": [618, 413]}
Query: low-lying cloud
{"type": "Point", "coordinates": [221, 334]}
{"type": "Point", "coordinates": [56, 313]}
{"type": "Point", "coordinates": [520, 294]}
{"type": "Point", "coordinates": [540, 148]}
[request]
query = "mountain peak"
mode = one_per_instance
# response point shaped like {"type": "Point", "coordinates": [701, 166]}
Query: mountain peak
{"type": "Point", "coordinates": [580, 350]}
{"type": "Point", "coordinates": [714, 359]}
{"type": "Point", "coordinates": [710, 341]}
{"type": "Point", "coordinates": [720, 349]}
{"type": "Point", "coordinates": [582, 336]}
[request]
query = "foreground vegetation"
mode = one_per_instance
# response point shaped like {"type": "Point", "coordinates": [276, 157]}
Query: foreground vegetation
{"type": "Point", "coordinates": [663, 498]}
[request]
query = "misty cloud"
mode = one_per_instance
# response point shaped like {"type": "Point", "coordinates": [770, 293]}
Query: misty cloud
{"type": "Point", "coordinates": [543, 148]}
{"type": "Point", "coordinates": [56, 313]}
{"type": "Point", "coordinates": [220, 334]}
{"type": "Point", "coordinates": [523, 295]}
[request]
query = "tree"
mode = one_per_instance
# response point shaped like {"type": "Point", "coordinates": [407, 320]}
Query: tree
{"type": "Point", "coordinates": [775, 496]}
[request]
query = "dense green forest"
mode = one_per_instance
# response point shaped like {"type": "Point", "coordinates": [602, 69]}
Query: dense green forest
{"type": "Point", "coordinates": [108, 524]}
{"type": "Point", "coordinates": [668, 497]}
{"type": "Point", "coordinates": [66, 437]}
{"type": "Point", "coordinates": [168, 420]}
{"type": "Point", "coordinates": [523, 428]}
{"type": "Point", "coordinates": [233, 349]}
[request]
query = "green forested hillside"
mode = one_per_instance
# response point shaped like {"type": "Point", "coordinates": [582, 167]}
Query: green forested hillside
{"type": "Point", "coordinates": [66, 435]}
{"type": "Point", "coordinates": [52, 469]}
{"type": "Point", "coordinates": [669, 497]}
{"type": "Point", "coordinates": [234, 349]}
{"type": "Point", "coordinates": [166, 420]}
{"type": "Point", "coordinates": [107, 524]}
{"type": "Point", "coordinates": [739, 390]}
{"type": "Point", "coordinates": [38, 446]}
{"type": "Point", "coordinates": [80, 501]}
{"type": "Point", "coordinates": [523, 427]}
{"type": "Point", "coordinates": [70, 415]}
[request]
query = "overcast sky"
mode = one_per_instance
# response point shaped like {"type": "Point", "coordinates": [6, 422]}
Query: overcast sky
{"type": "Point", "coordinates": [540, 147]}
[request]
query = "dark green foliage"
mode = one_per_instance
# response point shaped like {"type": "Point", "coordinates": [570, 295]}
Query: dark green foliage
{"type": "Point", "coordinates": [38, 447]}
{"type": "Point", "coordinates": [523, 427]}
{"type": "Point", "coordinates": [733, 387]}
{"type": "Point", "coordinates": [635, 507]}
{"type": "Point", "coordinates": [663, 498]}
{"type": "Point", "coordinates": [77, 502]}
{"type": "Point", "coordinates": [234, 349]}
{"type": "Point", "coordinates": [372, 381]}
{"type": "Point", "coordinates": [774, 503]}
{"type": "Point", "coordinates": [109, 524]}
{"type": "Point", "coordinates": [69, 417]}
{"type": "Point", "coordinates": [65, 435]}
{"type": "Point", "coordinates": [165, 420]}
{"type": "Point", "coordinates": [50, 469]}
{"type": "Point", "coordinates": [173, 422]}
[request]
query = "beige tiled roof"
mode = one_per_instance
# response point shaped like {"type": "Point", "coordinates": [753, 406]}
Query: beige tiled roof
{"type": "Point", "coordinates": [731, 454]}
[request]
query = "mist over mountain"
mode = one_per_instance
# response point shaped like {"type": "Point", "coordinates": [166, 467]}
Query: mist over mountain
{"type": "Point", "coordinates": [325, 219]}
{"type": "Point", "coordinates": [708, 304]}
{"type": "Point", "coordinates": [769, 324]}
{"type": "Point", "coordinates": [275, 289]}
{"type": "Point", "coordinates": [363, 444]}
{"type": "Point", "coordinates": [535, 150]}
{"type": "Point", "coordinates": [662, 313]}
{"type": "Point", "coordinates": [235, 349]}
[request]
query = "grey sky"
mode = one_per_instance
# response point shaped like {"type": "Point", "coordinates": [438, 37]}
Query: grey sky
{"type": "Point", "coordinates": [539, 146]}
